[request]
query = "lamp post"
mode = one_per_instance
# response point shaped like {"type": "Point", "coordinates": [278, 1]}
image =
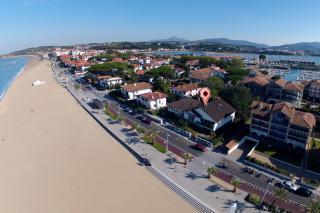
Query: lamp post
{"type": "Point", "coordinates": [269, 183]}
{"type": "Point", "coordinates": [167, 144]}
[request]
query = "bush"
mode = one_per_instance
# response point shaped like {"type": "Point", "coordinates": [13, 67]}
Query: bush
{"type": "Point", "coordinates": [268, 166]}
{"type": "Point", "coordinates": [253, 199]}
{"type": "Point", "coordinates": [311, 182]}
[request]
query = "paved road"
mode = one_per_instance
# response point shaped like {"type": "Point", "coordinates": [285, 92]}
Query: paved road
{"type": "Point", "coordinates": [211, 157]}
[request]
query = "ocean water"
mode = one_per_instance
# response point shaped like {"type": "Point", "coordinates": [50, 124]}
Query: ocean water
{"type": "Point", "coordinates": [10, 68]}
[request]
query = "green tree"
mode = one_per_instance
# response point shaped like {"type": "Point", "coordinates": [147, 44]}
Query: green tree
{"type": "Point", "coordinates": [279, 194]}
{"type": "Point", "coordinates": [162, 85]}
{"type": "Point", "coordinates": [215, 84]}
{"type": "Point", "coordinates": [235, 182]}
{"type": "Point", "coordinates": [211, 171]}
{"type": "Point", "coordinates": [107, 57]}
{"type": "Point", "coordinates": [217, 141]}
{"type": "Point", "coordinates": [206, 61]}
{"type": "Point", "coordinates": [314, 206]}
{"type": "Point", "coordinates": [153, 134]}
{"type": "Point", "coordinates": [110, 66]}
{"type": "Point", "coordinates": [262, 57]}
{"type": "Point", "coordinates": [187, 157]}
{"type": "Point", "coordinates": [164, 71]}
{"type": "Point", "coordinates": [240, 97]}
{"type": "Point", "coordinates": [172, 97]}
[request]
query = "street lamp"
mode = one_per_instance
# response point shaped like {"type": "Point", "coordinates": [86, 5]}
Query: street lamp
{"type": "Point", "coordinates": [167, 144]}
{"type": "Point", "coordinates": [269, 183]}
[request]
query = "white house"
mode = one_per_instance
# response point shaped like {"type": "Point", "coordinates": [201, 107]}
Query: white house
{"type": "Point", "coordinates": [187, 90]}
{"type": "Point", "coordinates": [153, 101]}
{"type": "Point", "coordinates": [215, 115]}
{"type": "Point", "coordinates": [109, 81]}
{"type": "Point", "coordinates": [132, 91]}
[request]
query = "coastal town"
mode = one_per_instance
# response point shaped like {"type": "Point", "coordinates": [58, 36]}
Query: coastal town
{"type": "Point", "coordinates": [256, 131]}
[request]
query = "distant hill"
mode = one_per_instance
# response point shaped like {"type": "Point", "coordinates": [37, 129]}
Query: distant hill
{"type": "Point", "coordinates": [233, 42]}
{"type": "Point", "coordinates": [305, 46]}
{"type": "Point", "coordinates": [171, 39]}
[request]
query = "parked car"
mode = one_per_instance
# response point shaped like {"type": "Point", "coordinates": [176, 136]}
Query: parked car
{"type": "Point", "coordinates": [279, 185]}
{"type": "Point", "coordinates": [128, 110]}
{"type": "Point", "coordinates": [200, 147]}
{"type": "Point", "coordinates": [148, 121]}
{"type": "Point", "coordinates": [145, 119]}
{"type": "Point", "coordinates": [290, 186]}
{"type": "Point", "coordinates": [303, 192]}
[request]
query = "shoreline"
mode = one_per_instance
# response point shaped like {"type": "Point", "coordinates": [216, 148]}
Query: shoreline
{"type": "Point", "coordinates": [11, 82]}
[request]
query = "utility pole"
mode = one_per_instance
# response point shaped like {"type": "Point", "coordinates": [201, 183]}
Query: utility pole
{"type": "Point", "coordinates": [167, 144]}
{"type": "Point", "coordinates": [269, 183]}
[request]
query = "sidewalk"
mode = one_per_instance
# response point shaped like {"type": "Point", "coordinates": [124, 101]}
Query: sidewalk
{"type": "Point", "coordinates": [193, 178]}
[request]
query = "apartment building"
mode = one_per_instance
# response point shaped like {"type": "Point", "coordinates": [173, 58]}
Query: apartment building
{"type": "Point", "coordinates": [281, 122]}
{"type": "Point", "coordinates": [282, 90]}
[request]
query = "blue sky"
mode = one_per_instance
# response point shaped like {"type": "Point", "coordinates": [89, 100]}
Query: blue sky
{"type": "Point", "coordinates": [28, 23]}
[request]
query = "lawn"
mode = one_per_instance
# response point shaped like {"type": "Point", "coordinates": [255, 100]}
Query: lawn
{"type": "Point", "coordinates": [160, 148]}
{"type": "Point", "coordinates": [147, 139]}
{"type": "Point", "coordinates": [282, 155]}
{"type": "Point", "coordinates": [314, 153]}
{"type": "Point", "coordinates": [157, 146]}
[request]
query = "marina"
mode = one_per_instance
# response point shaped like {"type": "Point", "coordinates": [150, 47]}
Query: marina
{"type": "Point", "coordinates": [292, 68]}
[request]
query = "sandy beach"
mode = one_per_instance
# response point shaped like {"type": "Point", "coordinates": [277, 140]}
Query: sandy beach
{"type": "Point", "coordinates": [55, 158]}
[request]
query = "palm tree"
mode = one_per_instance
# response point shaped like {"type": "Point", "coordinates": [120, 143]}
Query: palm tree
{"type": "Point", "coordinates": [211, 171]}
{"type": "Point", "coordinates": [235, 182]}
{"type": "Point", "coordinates": [153, 134]}
{"type": "Point", "coordinates": [279, 194]}
{"type": "Point", "coordinates": [314, 206]}
{"type": "Point", "coordinates": [187, 157]}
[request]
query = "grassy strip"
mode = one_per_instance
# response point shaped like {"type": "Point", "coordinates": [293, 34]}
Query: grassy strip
{"type": "Point", "coordinates": [111, 115]}
{"type": "Point", "coordinates": [278, 154]}
{"type": "Point", "coordinates": [159, 148]}
{"type": "Point", "coordinates": [268, 166]}
{"type": "Point", "coordinates": [149, 140]}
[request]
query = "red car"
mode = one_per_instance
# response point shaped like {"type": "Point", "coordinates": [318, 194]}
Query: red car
{"type": "Point", "coordinates": [200, 147]}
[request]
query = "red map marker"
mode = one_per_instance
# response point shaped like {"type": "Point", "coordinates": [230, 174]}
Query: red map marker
{"type": "Point", "coordinates": [205, 95]}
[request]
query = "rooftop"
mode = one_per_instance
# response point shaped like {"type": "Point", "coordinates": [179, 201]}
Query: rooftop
{"type": "Point", "coordinates": [136, 86]}
{"type": "Point", "coordinates": [186, 87]}
{"type": "Point", "coordinates": [154, 96]}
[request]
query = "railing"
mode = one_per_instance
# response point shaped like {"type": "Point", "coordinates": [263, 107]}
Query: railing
{"type": "Point", "coordinates": [178, 130]}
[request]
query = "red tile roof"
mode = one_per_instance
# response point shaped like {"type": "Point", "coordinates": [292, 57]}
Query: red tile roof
{"type": "Point", "coordinates": [136, 86]}
{"type": "Point", "coordinates": [186, 87]}
{"type": "Point", "coordinates": [154, 96]}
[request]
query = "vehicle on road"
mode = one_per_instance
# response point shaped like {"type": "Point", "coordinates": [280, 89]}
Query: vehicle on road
{"type": "Point", "coordinates": [145, 119]}
{"type": "Point", "coordinates": [222, 165]}
{"type": "Point", "coordinates": [129, 111]}
{"type": "Point", "coordinates": [148, 121]}
{"type": "Point", "coordinates": [279, 185]}
{"type": "Point", "coordinates": [303, 192]}
{"type": "Point", "coordinates": [290, 186]}
{"type": "Point", "coordinates": [199, 147]}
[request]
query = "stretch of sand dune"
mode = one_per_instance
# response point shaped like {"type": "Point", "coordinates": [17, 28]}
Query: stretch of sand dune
{"type": "Point", "coordinates": [55, 158]}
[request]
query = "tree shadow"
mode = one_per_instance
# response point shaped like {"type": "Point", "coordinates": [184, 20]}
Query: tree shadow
{"type": "Point", "coordinates": [125, 130]}
{"type": "Point", "coordinates": [132, 140]}
{"type": "Point", "coordinates": [213, 188]}
{"type": "Point", "coordinates": [194, 176]}
{"type": "Point", "coordinates": [132, 134]}
{"type": "Point", "coordinates": [170, 161]}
